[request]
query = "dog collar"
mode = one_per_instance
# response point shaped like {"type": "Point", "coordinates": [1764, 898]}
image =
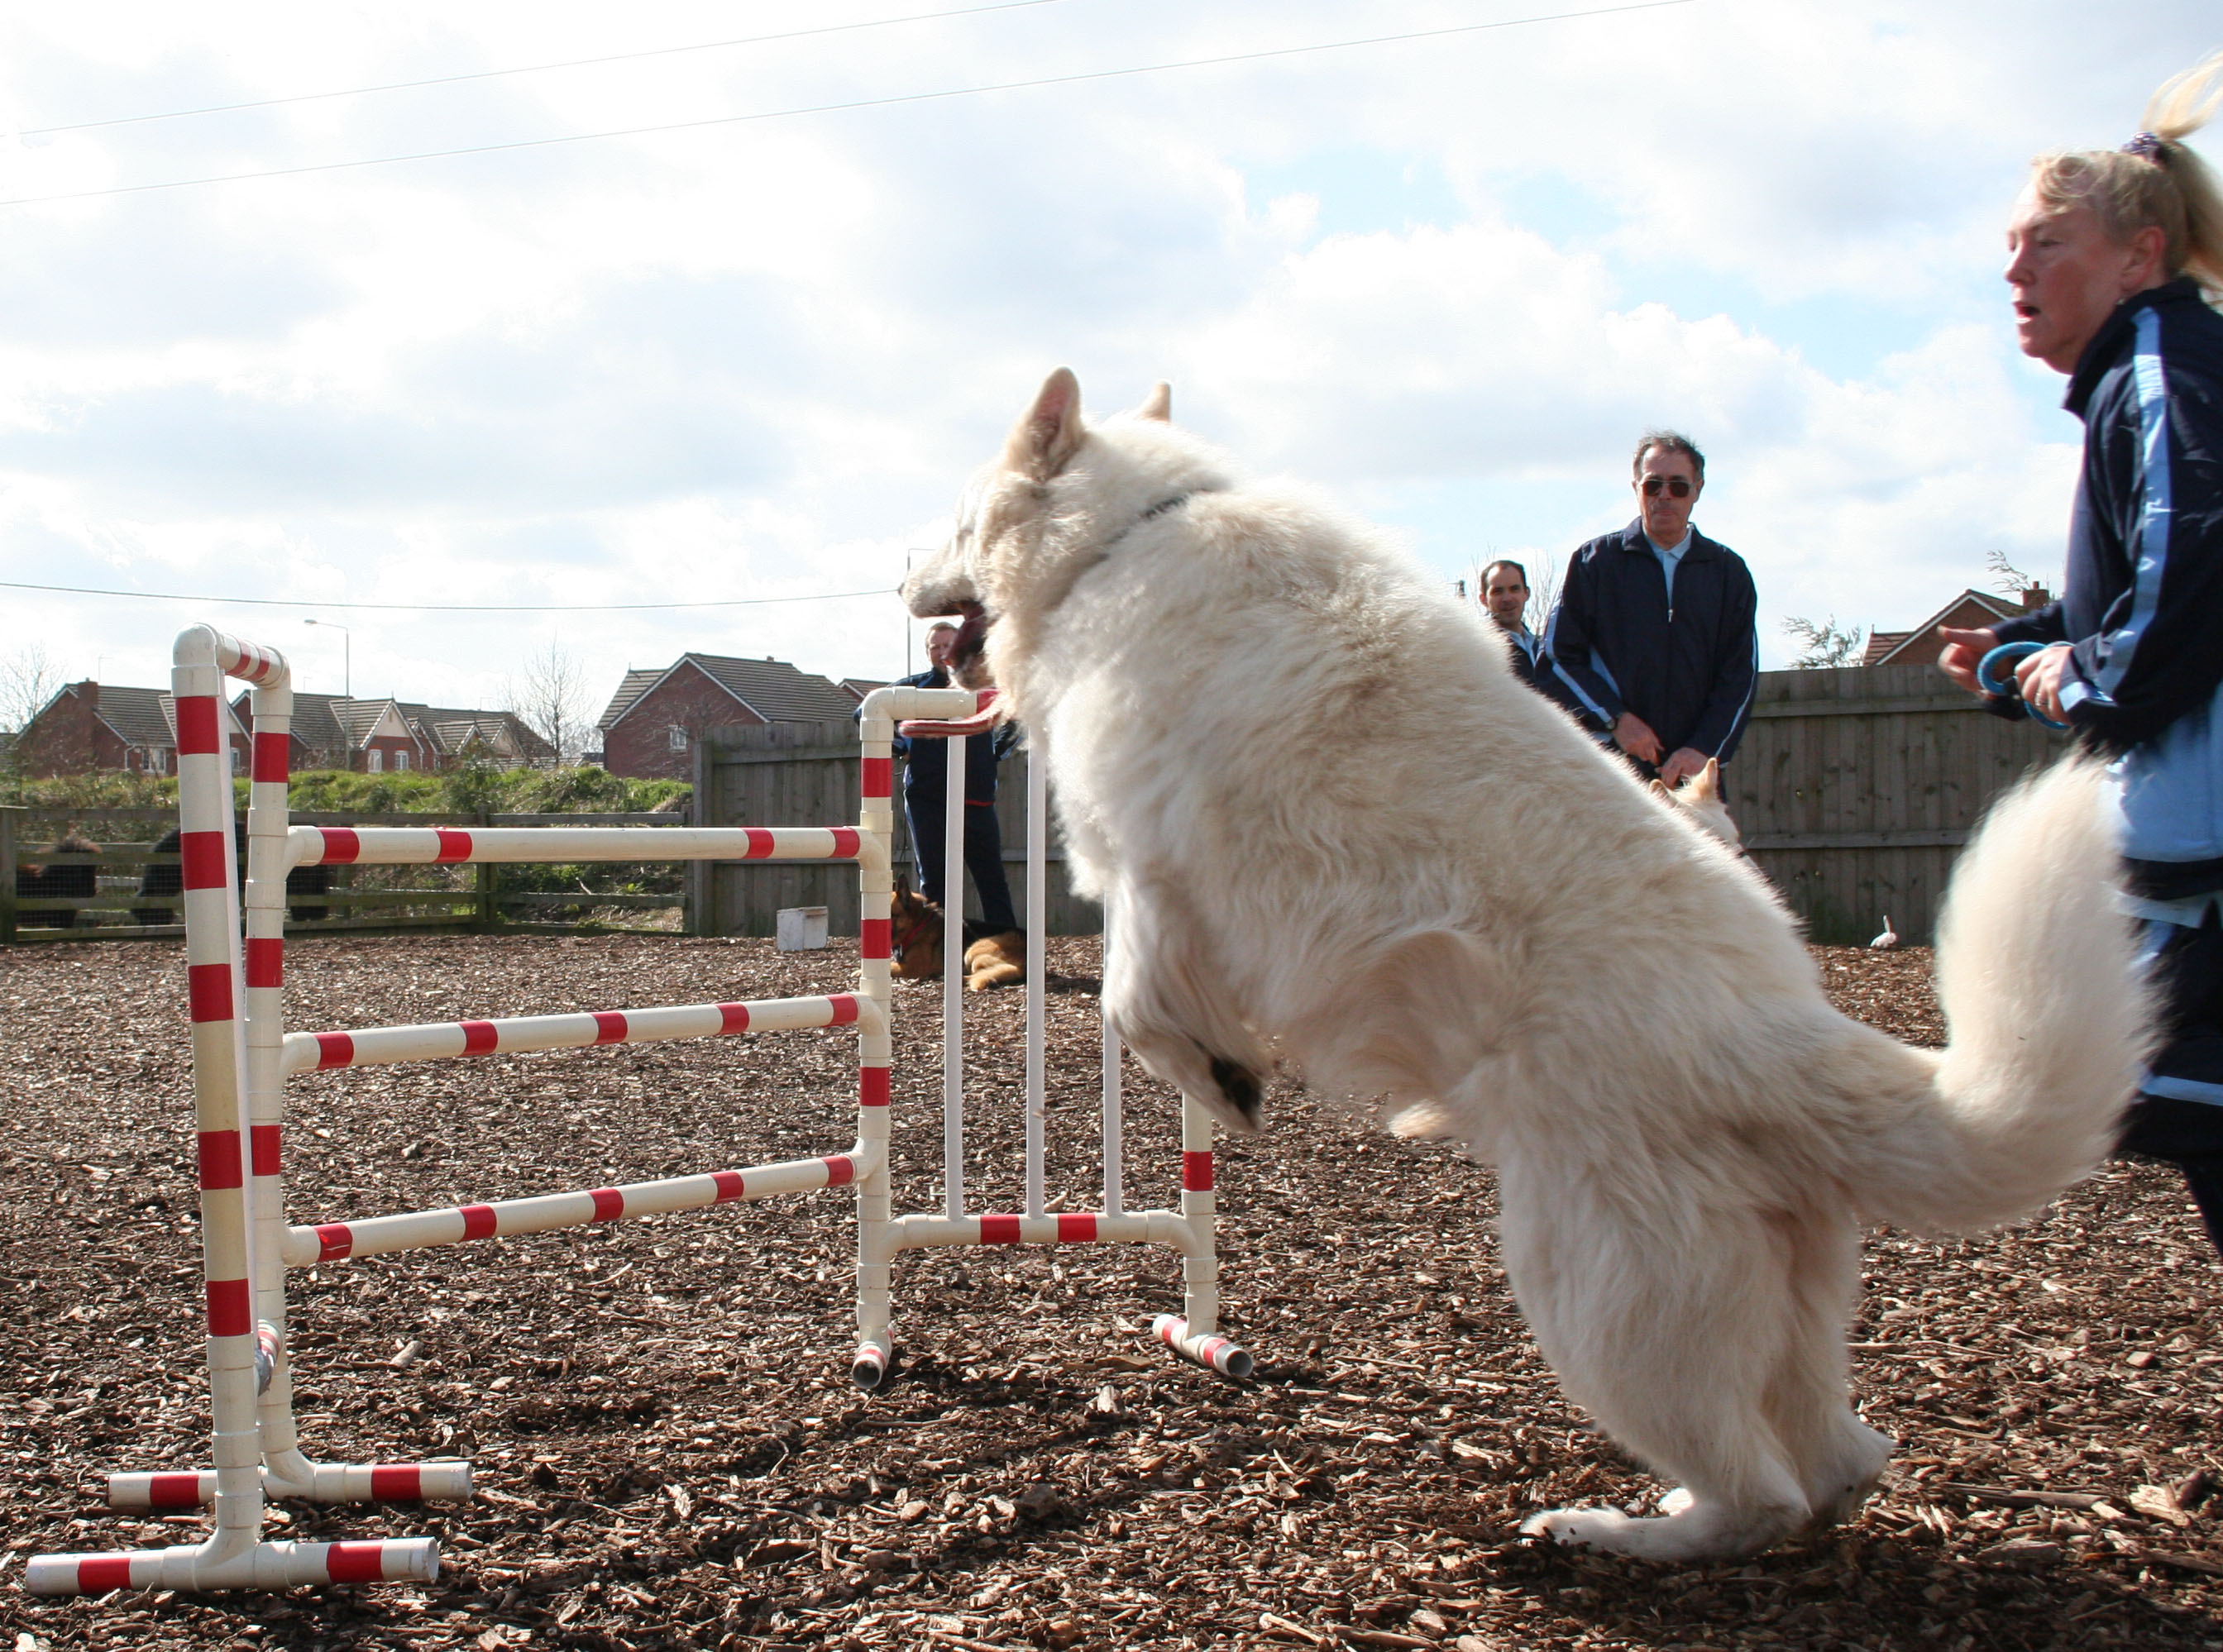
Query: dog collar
{"type": "Point", "coordinates": [1155, 511]}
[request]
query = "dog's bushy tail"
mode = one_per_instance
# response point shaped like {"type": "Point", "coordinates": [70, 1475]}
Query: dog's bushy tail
{"type": "Point", "coordinates": [2049, 1023]}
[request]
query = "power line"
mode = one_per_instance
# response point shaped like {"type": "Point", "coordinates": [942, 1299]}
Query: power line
{"type": "Point", "coordinates": [852, 103]}
{"type": "Point", "coordinates": [532, 68]}
{"type": "Point", "coordinates": [446, 607]}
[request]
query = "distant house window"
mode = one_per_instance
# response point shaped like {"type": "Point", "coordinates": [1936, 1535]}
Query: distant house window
{"type": "Point", "coordinates": [400, 763]}
{"type": "Point", "coordinates": [376, 762]}
{"type": "Point", "coordinates": [678, 737]}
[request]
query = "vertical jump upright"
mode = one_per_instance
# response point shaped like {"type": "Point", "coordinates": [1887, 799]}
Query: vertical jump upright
{"type": "Point", "coordinates": [242, 1057]}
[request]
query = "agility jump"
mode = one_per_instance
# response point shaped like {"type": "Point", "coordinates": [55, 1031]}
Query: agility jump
{"type": "Point", "coordinates": [244, 1057]}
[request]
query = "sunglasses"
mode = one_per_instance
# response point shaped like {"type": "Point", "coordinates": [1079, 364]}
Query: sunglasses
{"type": "Point", "coordinates": [1678, 486]}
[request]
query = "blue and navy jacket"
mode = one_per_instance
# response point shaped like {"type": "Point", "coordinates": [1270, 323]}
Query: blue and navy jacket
{"type": "Point", "coordinates": [926, 763]}
{"type": "Point", "coordinates": [1684, 660]}
{"type": "Point", "coordinates": [2142, 602]}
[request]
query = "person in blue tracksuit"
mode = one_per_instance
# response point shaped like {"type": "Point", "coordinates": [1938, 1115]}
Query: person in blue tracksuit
{"type": "Point", "coordinates": [1653, 635]}
{"type": "Point", "coordinates": [925, 790]}
{"type": "Point", "coordinates": [2108, 253]}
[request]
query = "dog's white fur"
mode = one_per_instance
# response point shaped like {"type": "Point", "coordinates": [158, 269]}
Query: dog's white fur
{"type": "Point", "coordinates": [1327, 821]}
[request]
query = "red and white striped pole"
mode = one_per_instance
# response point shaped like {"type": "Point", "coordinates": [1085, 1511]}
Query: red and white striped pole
{"type": "Point", "coordinates": [1194, 1332]}
{"type": "Point", "coordinates": [875, 820]}
{"type": "Point", "coordinates": [232, 1556]}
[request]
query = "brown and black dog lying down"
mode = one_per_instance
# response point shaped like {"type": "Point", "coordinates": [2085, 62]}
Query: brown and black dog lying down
{"type": "Point", "coordinates": [914, 939]}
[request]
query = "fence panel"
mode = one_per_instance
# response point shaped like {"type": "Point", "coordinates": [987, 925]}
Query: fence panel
{"type": "Point", "coordinates": [1855, 788]}
{"type": "Point", "coordinates": [805, 773]}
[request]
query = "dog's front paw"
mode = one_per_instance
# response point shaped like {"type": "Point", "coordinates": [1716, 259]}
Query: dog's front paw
{"type": "Point", "coordinates": [1605, 1529]}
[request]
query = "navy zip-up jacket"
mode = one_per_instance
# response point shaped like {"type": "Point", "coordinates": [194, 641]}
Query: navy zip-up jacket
{"type": "Point", "coordinates": [2142, 602]}
{"type": "Point", "coordinates": [1685, 662]}
{"type": "Point", "coordinates": [926, 765]}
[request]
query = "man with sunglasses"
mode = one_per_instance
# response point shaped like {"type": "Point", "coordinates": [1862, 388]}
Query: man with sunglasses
{"type": "Point", "coordinates": [1654, 632]}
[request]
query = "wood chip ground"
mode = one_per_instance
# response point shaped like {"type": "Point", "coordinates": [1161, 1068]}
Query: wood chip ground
{"type": "Point", "coordinates": [670, 1454]}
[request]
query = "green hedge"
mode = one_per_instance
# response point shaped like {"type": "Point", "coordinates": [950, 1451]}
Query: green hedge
{"type": "Point", "coordinates": [499, 791]}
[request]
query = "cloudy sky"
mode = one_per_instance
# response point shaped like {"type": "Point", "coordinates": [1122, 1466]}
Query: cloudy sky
{"type": "Point", "coordinates": [751, 355]}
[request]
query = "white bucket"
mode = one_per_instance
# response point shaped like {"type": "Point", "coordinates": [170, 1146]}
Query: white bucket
{"type": "Point", "coordinates": [802, 929]}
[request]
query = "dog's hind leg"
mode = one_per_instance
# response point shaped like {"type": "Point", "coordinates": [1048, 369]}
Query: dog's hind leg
{"type": "Point", "coordinates": [1671, 1327]}
{"type": "Point", "coordinates": [1839, 1457]}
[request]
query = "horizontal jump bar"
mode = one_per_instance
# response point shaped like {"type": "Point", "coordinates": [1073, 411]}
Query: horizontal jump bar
{"type": "Point", "coordinates": [335, 1242]}
{"type": "Point", "coordinates": [444, 1041]}
{"type": "Point", "coordinates": [260, 1566]}
{"type": "Point", "coordinates": [328, 1483]}
{"type": "Point", "coordinates": [457, 845]}
{"type": "Point", "coordinates": [917, 1233]}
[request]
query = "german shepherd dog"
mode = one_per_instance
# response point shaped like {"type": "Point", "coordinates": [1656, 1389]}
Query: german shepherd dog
{"type": "Point", "coordinates": [1329, 827]}
{"type": "Point", "coordinates": [915, 935]}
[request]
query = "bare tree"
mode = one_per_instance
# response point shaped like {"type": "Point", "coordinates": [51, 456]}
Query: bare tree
{"type": "Point", "coordinates": [1824, 645]}
{"type": "Point", "coordinates": [1544, 577]}
{"type": "Point", "coordinates": [2008, 579]}
{"type": "Point", "coordinates": [28, 679]}
{"type": "Point", "coordinates": [550, 696]}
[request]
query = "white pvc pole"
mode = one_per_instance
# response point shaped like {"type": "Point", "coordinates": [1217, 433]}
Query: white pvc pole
{"type": "Point", "coordinates": [1114, 1172]}
{"type": "Point", "coordinates": [1037, 924]}
{"type": "Point", "coordinates": [952, 981]}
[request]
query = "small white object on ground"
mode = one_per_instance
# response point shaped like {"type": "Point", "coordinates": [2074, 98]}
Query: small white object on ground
{"type": "Point", "coordinates": [1882, 942]}
{"type": "Point", "coordinates": [802, 929]}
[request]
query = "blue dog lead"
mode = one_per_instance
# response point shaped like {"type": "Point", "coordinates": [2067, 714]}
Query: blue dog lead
{"type": "Point", "coordinates": [1992, 676]}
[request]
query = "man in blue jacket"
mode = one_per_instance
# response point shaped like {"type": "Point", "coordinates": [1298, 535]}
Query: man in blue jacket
{"type": "Point", "coordinates": [1654, 632]}
{"type": "Point", "coordinates": [926, 769]}
{"type": "Point", "coordinates": [2106, 267]}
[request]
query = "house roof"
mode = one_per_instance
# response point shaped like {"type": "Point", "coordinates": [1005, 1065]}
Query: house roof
{"type": "Point", "coordinates": [858, 687]}
{"type": "Point", "coordinates": [147, 718]}
{"type": "Point", "coordinates": [638, 681]}
{"type": "Point", "coordinates": [1884, 646]}
{"type": "Point", "coordinates": [452, 730]}
{"type": "Point", "coordinates": [773, 689]}
{"type": "Point", "coordinates": [331, 722]}
{"type": "Point", "coordinates": [144, 717]}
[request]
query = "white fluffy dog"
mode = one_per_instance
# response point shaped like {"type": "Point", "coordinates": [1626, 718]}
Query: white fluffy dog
{"type": "Point", "coordinates": [1329, 823]}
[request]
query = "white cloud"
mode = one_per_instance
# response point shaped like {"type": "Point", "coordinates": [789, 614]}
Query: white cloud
{"type": "Point", "coordinates": [756, 359]}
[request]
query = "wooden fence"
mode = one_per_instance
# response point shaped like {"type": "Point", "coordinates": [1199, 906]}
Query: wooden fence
{"type": "Point", "coordinates": [361, 899]}
{"type": "Point", "coordinates": [1856, 787]}
{"type": "Point", "coordinates": [805, 773]}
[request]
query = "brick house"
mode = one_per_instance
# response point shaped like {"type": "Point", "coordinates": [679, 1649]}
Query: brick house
{"type": "Point", "coordinates": [90, 726]}
{"type": "Point", "coordinates": [404, 736]}
{"type": "Point", "coordinates": [652, 722]}
{"type": "Point", "coordinates": [1971, 610]}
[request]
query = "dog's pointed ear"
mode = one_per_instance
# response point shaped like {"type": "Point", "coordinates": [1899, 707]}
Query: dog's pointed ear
{"type": "Point", "coordinates": [1158, 405]}
{"type": "Point", "coordinates": [1049, 432]}
{"type": "Point", "coordinates": [1660, 789]}
{"type": "Point", "coordinates": [1708, 783]}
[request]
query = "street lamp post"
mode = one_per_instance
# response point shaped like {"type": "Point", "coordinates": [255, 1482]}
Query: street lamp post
{"type": "Point", "coordinates": [347, 655]}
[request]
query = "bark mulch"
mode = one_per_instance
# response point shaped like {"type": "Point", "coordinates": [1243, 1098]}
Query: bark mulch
{"type": "Point", "coordinates": [670, 1454]}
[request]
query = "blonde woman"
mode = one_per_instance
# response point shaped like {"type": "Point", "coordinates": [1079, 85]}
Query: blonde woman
{"type": "Point", "coordinates": [2115, 260]}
